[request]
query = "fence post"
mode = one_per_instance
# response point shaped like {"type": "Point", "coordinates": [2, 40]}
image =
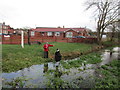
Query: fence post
{"type": "Point", "coordinates": [22, 39]}
{"type": "Point", "coordinates": [10, 39]}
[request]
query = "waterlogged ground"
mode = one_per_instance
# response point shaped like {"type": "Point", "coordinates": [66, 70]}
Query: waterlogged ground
{"type": "Point", "coordinates": [33, 54]}
{"type": "Point", "coordinates": [81, 72]}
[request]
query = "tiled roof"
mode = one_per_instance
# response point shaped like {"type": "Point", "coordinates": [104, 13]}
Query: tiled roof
{"type": "Point", "coordinates": [58, 29]}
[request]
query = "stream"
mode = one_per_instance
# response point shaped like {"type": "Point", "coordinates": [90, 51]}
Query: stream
{"type": "Point", "coordinates": [36, 77]}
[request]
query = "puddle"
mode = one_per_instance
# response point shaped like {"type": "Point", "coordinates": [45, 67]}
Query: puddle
{"type": "Point", "coordinates": [36, 73]}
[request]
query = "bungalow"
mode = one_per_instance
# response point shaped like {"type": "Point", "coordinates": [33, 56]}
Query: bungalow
{"type": "Point", "coordinates": [58, 32]}
{"type": "Point", "coordinates": [41, 34]}
{"type": "Point", "coordinates": [47, 33]}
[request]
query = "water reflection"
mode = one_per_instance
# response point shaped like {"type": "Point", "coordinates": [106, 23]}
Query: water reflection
{"type": "Point", "coordinates": [45, 68]}
{"type": "Point", "coordinates": [110, 53]}
{"type": "Point", "coordinates": [58, 73]}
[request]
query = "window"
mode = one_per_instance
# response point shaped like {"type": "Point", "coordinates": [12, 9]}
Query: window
{"type": "Point", "coordinates": [5, 32]}
{"type": "Point", "coordinates": [14, 31]}
{"type": "Point", "coordinates": [5, 27]}
{"type": "Point", "coordinates": [42, 33]}
{"type": "Point", "coordinates": [57, 33]}
{"type": "Point", "coordinates": [69, 34]}
{"type": "Point", "coordinates": [49, 33]}
{"type": "Point", "coordinates": [32, 33]}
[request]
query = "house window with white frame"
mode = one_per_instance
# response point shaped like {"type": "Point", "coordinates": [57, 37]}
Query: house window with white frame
{"type": "Point", "coordinates": [4, 27]}
{"type": "Point", "coordinates": [69, 34]}
{"type": "Point", "coordinates": [14, 31]}
{"type": "Point", "coordinates": [57, 33]}
{"type": "Point", "coordinates": [5, 32]}
{"type": "Point", "coordinates": [32, 33]}
{"type": "Point", "coordinates": [49, 34]}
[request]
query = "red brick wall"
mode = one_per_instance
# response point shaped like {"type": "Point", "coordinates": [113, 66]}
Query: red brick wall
{"type": "Point", "coordinates": [84, 40]}
{"type": "Point", "coordinates": [16, 39]}
{"type": "Point", "coordinates": [13, 39]}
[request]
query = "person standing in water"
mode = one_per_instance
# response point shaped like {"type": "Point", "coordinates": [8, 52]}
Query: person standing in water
{"type": "Point", "coordinates": [57, 57]}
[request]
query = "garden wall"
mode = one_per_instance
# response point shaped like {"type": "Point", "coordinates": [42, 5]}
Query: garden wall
{"type": "Point", "coordinates": [16, 39]}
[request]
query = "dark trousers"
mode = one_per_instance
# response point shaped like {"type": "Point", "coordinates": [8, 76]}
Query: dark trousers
{"type": "Point", "coordinates": [45, 54]}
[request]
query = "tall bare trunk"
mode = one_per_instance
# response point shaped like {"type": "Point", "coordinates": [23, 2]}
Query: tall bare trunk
{"type": "Point", "coordinates": [98, 36]}
{"type": "Point", "coordinates": [29, 38]}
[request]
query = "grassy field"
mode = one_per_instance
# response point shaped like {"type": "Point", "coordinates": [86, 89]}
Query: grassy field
{"type": "Point", "coordinates": [15, 58]}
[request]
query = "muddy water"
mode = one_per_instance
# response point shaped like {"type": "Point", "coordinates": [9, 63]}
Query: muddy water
{"type": "Point", "coordinates": [36, 73]}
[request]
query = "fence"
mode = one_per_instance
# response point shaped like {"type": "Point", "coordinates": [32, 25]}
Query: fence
{"type": "Point", "coordinates": [84, 40]}
{"type": "Point", "coordinates": [16, 39]}
{"type": "Point", "coordinates": [13, 39]}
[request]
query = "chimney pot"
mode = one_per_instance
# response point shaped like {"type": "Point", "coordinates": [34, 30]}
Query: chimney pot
{"type": "Point", "coordinates": [3, 23]}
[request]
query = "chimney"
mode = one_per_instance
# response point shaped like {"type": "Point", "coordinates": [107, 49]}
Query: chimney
{"type": "Point", "coordinates": [3, 23]}
{"type": "Point", "coordinates": [59, 27]}
{"type": "Point", "coordinates": [63, 26]}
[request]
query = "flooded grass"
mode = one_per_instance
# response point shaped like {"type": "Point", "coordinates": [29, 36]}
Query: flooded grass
{"type": "Point", "coordinates": [82, 72]}
{"type": "Point", "coordinates": [16, 58]}
{"type": "Point", "coordinates": [18, 82]}
{"type": "Point", "coordinates": [91, 58]}
{"type": "Point", "coordinates": [110, 74]}
{"type": "Point", "coordinates": [54, 80]}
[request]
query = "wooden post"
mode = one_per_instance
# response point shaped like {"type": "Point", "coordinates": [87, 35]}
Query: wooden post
{"type": "Point", "coordinates": [28, 37]}
{"type": "Point", "coordinates": [22, 39]}
{"type": "Point", "coordinates": [42, 38]}
{"type": "Point", "coordinates": [55, 38]}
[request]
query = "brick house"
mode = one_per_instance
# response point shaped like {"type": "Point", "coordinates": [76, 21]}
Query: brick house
{"type": "Point", "coordinates": [9, 35]}
{"type": "Point", "coordinates": [41, 34]}
{"type": "Point", "coordinates": [6, 29]}
{"type": "Point", "coordinates": [61, 34]}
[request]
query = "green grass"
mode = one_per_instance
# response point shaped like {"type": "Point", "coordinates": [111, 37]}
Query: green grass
{"type": "Point", "coordinates": [15, 58]}
{"type": "Point", "coordinates": [92, 58]}
{"type": "Point", "coordinates": [110, 75]}
{"type": "Point", "coordinates": [111, 43]}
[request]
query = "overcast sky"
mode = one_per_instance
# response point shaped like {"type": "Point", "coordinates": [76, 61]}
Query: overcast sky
{"type": "Point", "coordinates": [46, 13]}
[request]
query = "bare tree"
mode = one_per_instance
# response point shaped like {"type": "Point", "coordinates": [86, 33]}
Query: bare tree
{"type": "Point", "coordinates": [106, 12]}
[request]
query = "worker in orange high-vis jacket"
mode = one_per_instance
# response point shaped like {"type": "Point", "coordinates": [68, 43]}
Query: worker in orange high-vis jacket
{"type": "Point", "coordinates": [46, 49]}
